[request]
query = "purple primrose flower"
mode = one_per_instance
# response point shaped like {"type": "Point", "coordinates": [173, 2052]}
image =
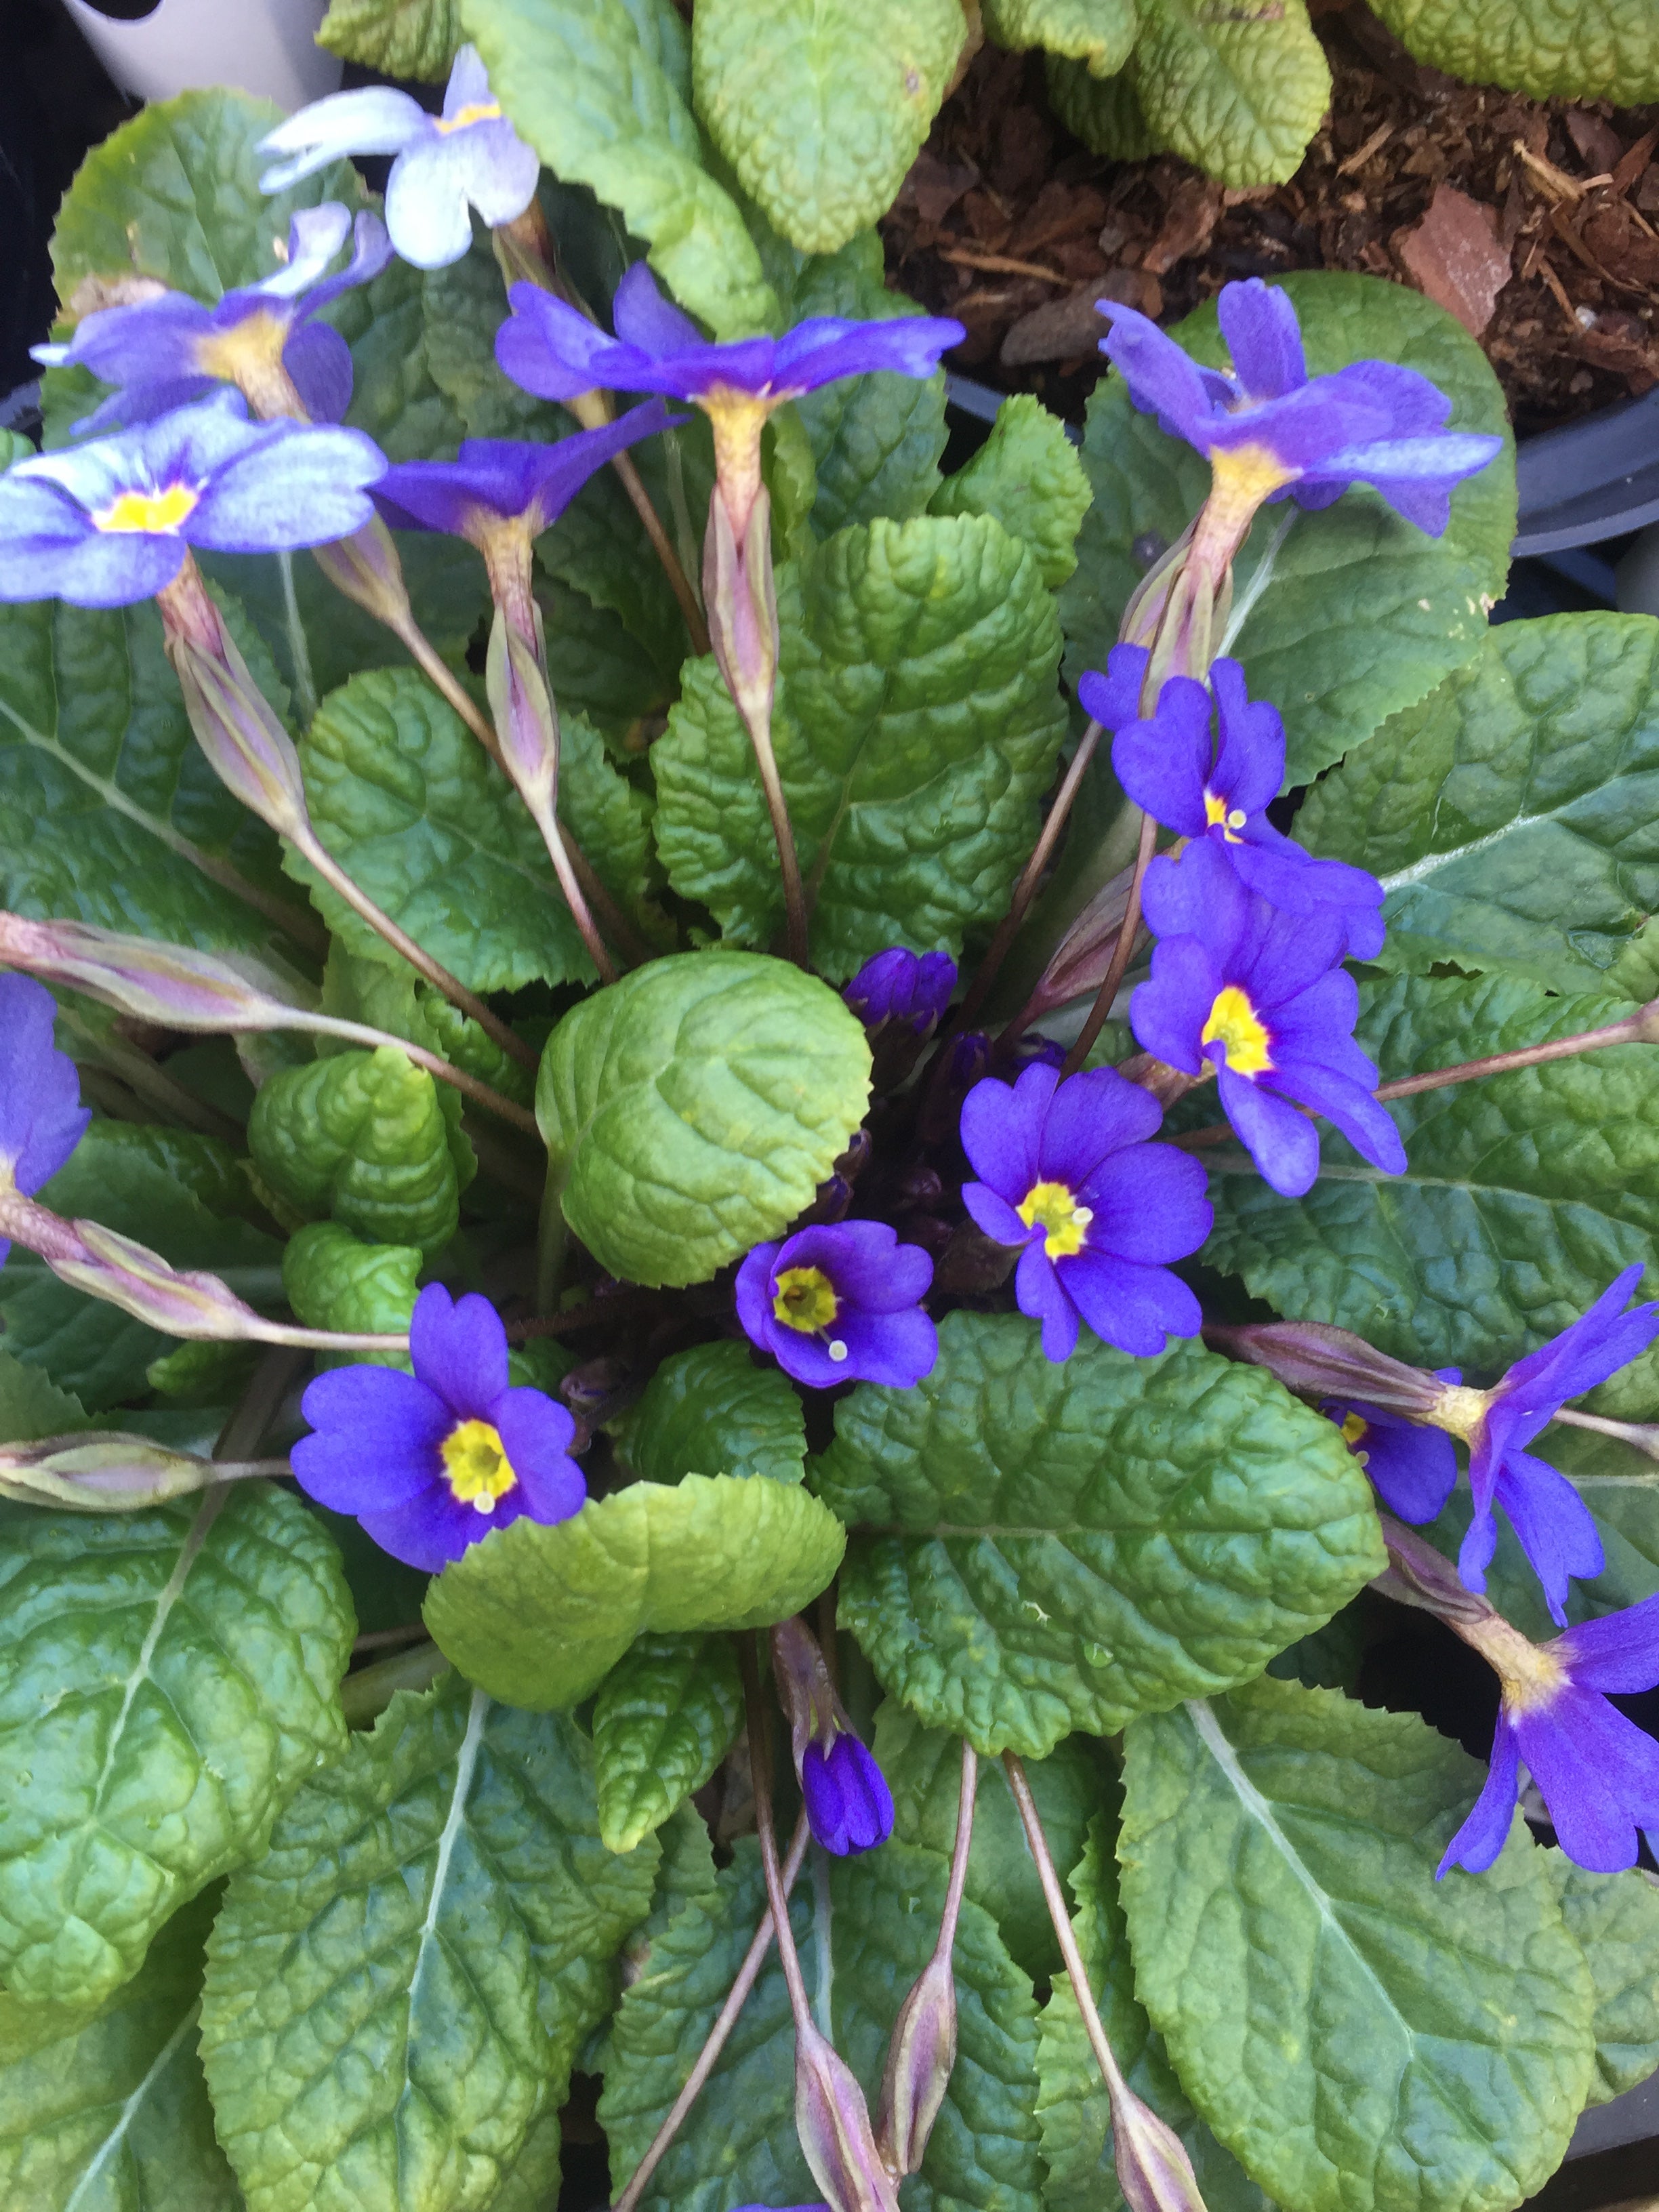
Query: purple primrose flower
{"type": "Point", "coordinates": [1269, 428]}
{"type": "Point", "coordinates": [166, 352]}
{"type": "Point", "coordinates": [109, 522]}
{"type": "Point", "coordinates": [470, 156]}
{"type": "Point", "coordinates": [1257, 993]}
{"type": "Point", "coordinates": [902, 986]}
{"type": "Point", "coordinates": [1557, 1529]}
{"type": "Point", "coordinates": [41, 1117]}
{"type": "Point", "coordinates": [493, 480]}
{"type": "Point", "coordinates": [1413, 1470]}
{"type": "Point", "coordinates": [429, 1462]}
{"type": "Point", "coordinates": [1596, 1770]}
{"type": "Point", "coordinates": [840, 1303]}
{"type": "Point", "coordinates": [1218, 788]}
{"type": "Point", "coordinates": [849, 1804]}
{"type": "Point", "coordinates": [1067, 1173]}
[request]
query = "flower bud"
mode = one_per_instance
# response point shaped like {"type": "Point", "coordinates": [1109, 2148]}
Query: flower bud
{"type": "Point", "coordinates": [741, 595]}
{"type": "Point", "coordinates": [526, 727]}
{"type": "Point", "coordinates": [920, 2053]}
{"type": "Point", "coordinates": [1322, 1362]}
{"type": "Point", "coordinates": [833, 2122]}
{"type": "Point", "coordinates": [365, 567]}
{"type": "Point", "coordinates": [1153, 2170]}
{"type": "Point", "coordinates": [847, 1801]}
{"type": "Point", "coordinates": [165, 984]}
{"type": "Point", "coordinates": [103, 1472]}
{"type": "Point", "coordinates": [250, 751]}
{"type": "Point", "coordinates": [178, 1301]}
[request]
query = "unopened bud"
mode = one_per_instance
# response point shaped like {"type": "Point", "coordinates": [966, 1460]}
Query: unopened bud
{"type": "Point", "coordinates": [165, 984]}
{"type": "Point", "coordinates": [1153, 2169]}
{"type": "Point", "coordinates": [248, 749]}
{"type": "Point", "coordinates": [847, 1801]}
{"type": "Point", "coordinates": [833, 2122]}
{"type": "Point", "coordinates": [366, 569]}
{"type": "Point", "coordinates": [102, 1472]}
{"type": "Point", "coordinates": [920, 2054]}
{"type": "Point", "coordinates": [521, 707]}
{"type": "Point", "coordinates": [1318, 1361]}
{"type": "Point", "coordinates": [741, 596]}
{"type": "Point", "coordinates": [1179, 610]}
{"type": "Point", "coordinates": [178, 1301]}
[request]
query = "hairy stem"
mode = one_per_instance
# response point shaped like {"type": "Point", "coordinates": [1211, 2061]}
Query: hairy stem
{"type": "Point", "coordinates": [760, 1767]}
{"type": "Point", "coordinates": [1122, 952]}
{"type": "Point", "coordinates": [794, 896]}
{"type": "Point", "coordinates": [663, 546]}
{"type": "Point", "coordinates": [1054, 1897]}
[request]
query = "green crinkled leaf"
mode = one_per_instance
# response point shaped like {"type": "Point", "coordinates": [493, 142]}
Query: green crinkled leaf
{"type": "Point", "coordinates": [396, 1991]}
{"type": "Point", "coordinates": [1523, 1194]}
{"type": "Point", "coordinates": [602, 90]}
{"type": "Point", "coordinates": [880, 1912]}
{"type": "Point", "coordinates": [1357, 2034]}
{"type": "Point", "coordinates": [109, 812]}
{"type": "Point", "coordinates": [334, 1280]}
{"type": "Point", "coordinates": [1341, 638]}
{"type": "Point", "coordinates": [364, 1137]}
{"type": "Point", "coordinates": [917, 728]}
{"type": "Point", "coordinates": [1583, 49]}
{"type": "Point", "coordinates": [821, 105]}
{"type": "Point", "coordinates": [169, 1189]}
{"type": "Point", "coordinates": [691, 1110]}
{"type": "Point", "coordinates": [396, 1000]}
{"type": "Point", "coordinates": [1104, 113]}
{"type": "Point", "coordinates": [712, 1411]}
{"type": "Point", "coordinates": [174, 194]}
{"type": "Point", "coordinates": [1027, 474]}
{"type": "Point", "coordinates": [1507, 813]}
{"type": "Point", "coordinates": [171, 1677]}
{"type": "Point", "coordinates": [1072, 2103]}
{"type": "Point", "coordinates": [1038, 1549]}
{"type": "Point", "coordinates": [1615, 1920]}
{"type": "Point", "coordinates": [108, 2112]}
{"type": "Point", "coordinates": [540, 1613]}
{"type": "Point", "coordinates": [400, 38]}
{"type": "Point", "coordinates": [31, 1406]}
{"type": "Point", "coordinates": [665, 1717]}
{"type": "Point", "coordinates": [1098, 31]}
{"type": "Point", "coordinates": [1238, 91]}
{"type": "Point", "coordinates": [410, 804]}
{"type": "Point", "coordinates": [463, 306]}
{"type": "Point", "coordinates": [923, 1768]}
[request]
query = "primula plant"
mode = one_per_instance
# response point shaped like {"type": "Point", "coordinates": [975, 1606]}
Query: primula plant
{"type": "Point", "coordinates": [767, 1215]}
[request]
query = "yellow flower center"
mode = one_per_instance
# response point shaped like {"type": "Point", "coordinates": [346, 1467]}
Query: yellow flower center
{"type": "Point", "coordinates": [1355, 1429]}
{"type": "Point", "coordinates": [804, 1298]}
{"type": "Point", "coordinates": [247, 350]}
{"type": "Point", "coordinates": [1052, 1208]}
{"type": "Point", "coordinates": [1531, 1674]}
{"type": "Point", "coordinates": [1235, 1022]}
{"type": "Point", "coordinates": [476, 110]}
{"type": "Point", "coordinates": [154, 514]}
{"type": "Point", "coordinates": [1459, 1410]}
{"type": "Point", "coordinates": [480, 1472]}
{"type": "Point", "coordinates": [1216, 816]}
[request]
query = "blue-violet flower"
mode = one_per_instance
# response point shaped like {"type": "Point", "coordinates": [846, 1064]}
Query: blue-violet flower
{"type": "Point", "coordinates": [41, 1117]}
{"type": "Point", "coordinates": [1269, 428]}
{"type": "Point", "coordinates": [1067, 1173]}
{"type": "Point", "coordinates": [431, 1461]}
{"type": "Point", "coordinates": [898, 985]}
{"type": "Point", "coordinates": [109, 522]}
{"type": "Point", "coordinates": [849, 1804]}
{"type": "Point", "coordinates": [470, 156]}
{"type": "Point", "coordinates": [167, 352]}
{"type": "Point", "coordinates": [1413, 1469]}
{"type": "Point", "coordinates": [1218, 788]}
{"type": "Point", "coordinates": [1257, 993]}
{"type": "Point", "coordinates": [840, 1303]}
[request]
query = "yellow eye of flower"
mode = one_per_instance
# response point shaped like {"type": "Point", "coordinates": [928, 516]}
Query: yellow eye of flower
{"type": "Point", "coordinates": [1355, 1428]}
{"type": "Point", "coordinates": [479, 1470]}
{"type": "Point", "coordinates": [804, 1298]}
{"type": "Point", "coordinates": [154, 514]}
{"type": "Point", "coordinates": [1531, 1676]}
{"type": "Point", "coordinates": [476, 110]}
{"type": "Point", "coordinates": [1235, 1022]}
{"type": "Point", "coordinates": [1052, 1207]}
{"type": "Point", "coordinates": [249, 349]}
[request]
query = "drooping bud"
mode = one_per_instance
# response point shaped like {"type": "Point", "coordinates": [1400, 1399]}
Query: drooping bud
{"type": "Point", "coordinates": [179, 1302]}
{"type": "Point", "coordinates": [1318, 1361]}
{"type": "Point", "coordinates": [249, 751]}
{"type": "Point", "coordinates": [1153, 2169]}
{"type": "Point", "coordinates": [366, 570]}
{"type": "Point", "coordinates": [166, 983]}
{"type": "Point", "coordinates": [108, 1472]}
{"type": "Point", "coordinates": [920, 2054]}
{"type": "Point", "coordinates": [833, 2122]}
{"type": "Point", "coordinates": [847, 1800]}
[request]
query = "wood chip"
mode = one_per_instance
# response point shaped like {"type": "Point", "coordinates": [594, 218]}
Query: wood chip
{"type": "Point", "coordinates": [1189, 224]}
{"type": "Point", "coordinates": [1627, 171]}
{"type": "Point", "coordinates": [1074, 324]}
{"type": "Point", "coordinates": [1356, 160]}
{"type": "Point", "coordinates": [999, 264]}
{"type": "Point", "coordinates": [1454, 256]}
{"type": "Point", "coordinates": [1596, 138]}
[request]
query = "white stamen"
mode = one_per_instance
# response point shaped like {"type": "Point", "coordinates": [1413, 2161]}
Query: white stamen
{"type": "Point", "coordinates": [1238, 818]}
{"type": "Point", "coordinates": [483, 1503]}
{"type": "Point", "coordinates": [1082, 1215]}
{"type": "Point", "coordinates": [837, 1349]}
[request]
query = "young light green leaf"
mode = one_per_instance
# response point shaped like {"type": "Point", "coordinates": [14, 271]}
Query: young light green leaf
{"type": "Point", "coordinates": [1584, 49]}
{"type": "Point", "coordinates": [109, 812]}
{"type": "Point", "coordinates": [665, 1717]}
{"type": "Point", "coordinates": [541, 1614]}
{"type": "Point", "coordinates": [1238, 91]}
{"type": "Point", "coordinates": [1072, 2103]}
{"type": "Point", "coordinates": [334, 1280]}
{"type": "Point", "coordinates": [1099, 33]}
{"type": "Point", "coordinates": [691, 1110]}
{"type": "Point", "coordinates": [870, 1929]}
{"type": "Point", "coordinates": [1354, 2032]}
{"type": "Point", "coordinates": [712, 1411]}
{"type": "Point", "coordinates": [1028, 475]}
{"type": "Point", "coordinates": [1523, 1194]}
{"type": "Point", "coordinates": [170, 1189]}
{"type": "Point", "coordinates": [1502, 812]}
{"type": "Point", "coordinates": [923, 1768]}
{"type": "Point", "coordinates": [917, 729]}
{"type": "Point", "coordinates": [1615, 1920]}
{"type": "Point", "coordinates": [368, 1138]}
{"type": "Point", "coordinates": [396, 1000]}
{"type": "Point", "coordinates": [396, 1991]}
{"type": "Point", "coordinates": [602, 88]}
{"type": "Point", "coordinates": [172, 1676]}
{"type": "Point", "coordinates": [1039, 1548]}
{"type": "Point", "coordinates": [400, 38]}
{"type": "Point", "coordinates": [106, 2110]}
{"type": "Point", "coordinates": [1364, 614]}
{"type": "Point", "coordinates": [412, 805]}
{"type": "Point", "coordinates": [821, 109]}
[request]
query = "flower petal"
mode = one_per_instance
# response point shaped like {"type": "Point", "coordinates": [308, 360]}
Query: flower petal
{"type": "Point", "coordinates": [1136, 1308]}
{"type": "Point", "coordinates": [1038, 1292]}
{"type": "Point", "coordinates": [1486, 1831]}
{"type": "Point", "coordinates": [1283, 1143]}
{"type": "Point", "coordinates": [459, 1350]}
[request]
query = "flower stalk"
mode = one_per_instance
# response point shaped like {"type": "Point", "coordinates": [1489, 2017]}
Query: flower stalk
{"type": "Point", "coordinates": [921, 2051]}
